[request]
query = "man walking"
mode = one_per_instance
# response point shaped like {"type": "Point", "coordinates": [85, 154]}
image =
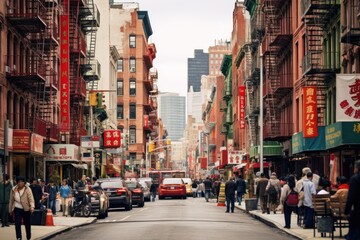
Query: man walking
{"type": "Point", "coordinates": [5, 190]}
{"type": "Point", "coordinates": [261, 192]}
{"type": "Point", "coordinates": [37, 192]}
{"type": "Point", "coordinates": [207, 185]}
{"type": "Point", "coordinates": [52, 190]}
{"type": "Point", "coordinates": [153, 192]}
{"type": "Point", "coordinates": [352, 207]}
{"type": "Point", "coordinates": [230, 188]}
{"type": "Point", "coordinates": [240, 188]}
{"type": "Point", "coordinates": [309, 191]}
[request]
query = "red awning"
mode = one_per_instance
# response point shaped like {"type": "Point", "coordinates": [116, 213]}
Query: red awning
{"type": "Point", "coordinates": [257, 165]}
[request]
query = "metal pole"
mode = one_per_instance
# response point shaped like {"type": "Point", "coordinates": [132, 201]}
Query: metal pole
{"type": "Point", "coordinates": [208, 155]}
{"type": "Point", "coordinates": [92, 149]}
{"type": "Point", "coordinates": [261, 115]}
{"type": "Point", "coordinates": [6, 153]}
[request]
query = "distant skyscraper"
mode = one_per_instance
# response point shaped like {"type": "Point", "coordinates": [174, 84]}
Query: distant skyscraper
{"type": "Point", "coordinates": [194, 104]}
{"type": "Point", "coordinates": [171, 108]}
{"type": "Point", "coordinates": [197, 66]}
{"type": "Point", "coordinates": [216, 55]}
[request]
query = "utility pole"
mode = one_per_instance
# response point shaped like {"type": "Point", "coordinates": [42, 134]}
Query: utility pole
{"type": "Point", "coordinates": [92, 149]}
{"type": "Point", "coordinates": [261, 115]}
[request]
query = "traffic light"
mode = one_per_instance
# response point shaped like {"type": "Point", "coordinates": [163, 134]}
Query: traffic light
{"type": "Point", "coordinates": [93, 99]}
{"type": "Point", "coordinates": [168, 141]}
{"type": "Point", "coordinates": [151, 146]}
{"type": "Point", "coordinates": [100, 99]}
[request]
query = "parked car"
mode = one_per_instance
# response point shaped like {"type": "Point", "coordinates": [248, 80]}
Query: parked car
{"type": "Point", "coordinates": [188, 183]}
{"type": "Point", "coordinates": [118, 192]}
{"type": "Point", "coordinates": [99, 200]}
{"type": "Point", "coordinates": [137, 192]}
{"type": "Point", "coordinates": [146, 190]}
{"type": "Point", "coordinates": [172, 187]}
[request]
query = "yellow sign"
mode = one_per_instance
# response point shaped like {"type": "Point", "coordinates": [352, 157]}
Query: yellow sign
{"type": "Point", "coordinates": [221, 201]}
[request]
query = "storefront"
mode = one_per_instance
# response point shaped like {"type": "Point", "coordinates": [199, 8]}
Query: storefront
{"type": "Point", "coordinates": [272, 153]}
{"type": "Point", "coordinates": [309, 152]}
{"type": "Point", "coordinates": [342, 140]}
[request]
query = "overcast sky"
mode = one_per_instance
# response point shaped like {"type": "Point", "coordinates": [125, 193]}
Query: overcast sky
{"type": "Point", "coordinates": [179, 27]}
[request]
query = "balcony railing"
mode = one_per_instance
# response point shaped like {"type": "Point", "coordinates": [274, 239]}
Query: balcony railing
{"type": "Point", "coordinates": [322, 62]}
{"type": "Point", "coordinates": [78, 88]}
{"type": "Point", "coordinates": [52, 134]}
{"type": "Point", "coordinates": [37, 125]}
{"type": "Point", "coordinates": [277, 130]}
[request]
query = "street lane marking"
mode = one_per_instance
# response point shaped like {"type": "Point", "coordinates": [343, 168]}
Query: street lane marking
{"type": "Point", "coordinates": [143, 209]}
{"type": "Point", "coordinates": [124, 218]}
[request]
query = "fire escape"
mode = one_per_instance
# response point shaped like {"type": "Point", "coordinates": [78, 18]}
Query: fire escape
{"type": "Point", "coordinates": [351, 26]}
{"type": "Point", "coordinates": [317, 69]}
{"type": "Point", "coordinates": [277, 78]}
{"type": "Point", "coordinates": [30, 68]}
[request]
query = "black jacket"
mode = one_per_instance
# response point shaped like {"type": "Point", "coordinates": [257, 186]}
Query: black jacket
{"type": "Point", "coordinates": [353, 200]}
{"type": "Point", "coordinates": [207, 184]}
{"type": "Point", "coordinates": [37, 193]}
{"type": "Point", "coordinates": [230, 188]}
{"type": "Point", "coordinates": [241, 186]}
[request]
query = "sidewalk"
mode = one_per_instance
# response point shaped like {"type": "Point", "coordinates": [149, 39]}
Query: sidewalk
{"type": "Point", "coordinates": [62, 224]}
{"type": "Point", "coordinates": [277, 221]}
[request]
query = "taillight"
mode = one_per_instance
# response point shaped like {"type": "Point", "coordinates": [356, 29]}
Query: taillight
{"type": "Point", "coordinates": [120, 191]}
{"type": "Point", "coordinates": [92, 192]}
{"type": "Point", "coordinates": [137, 190]}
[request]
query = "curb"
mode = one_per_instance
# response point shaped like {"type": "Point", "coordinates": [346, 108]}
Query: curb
{"type": "Point", "coordinates": [65, 229]}
{"type": "Point", "coordinates": [271, 224]}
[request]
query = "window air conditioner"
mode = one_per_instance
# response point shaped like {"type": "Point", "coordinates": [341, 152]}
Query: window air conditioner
{"type": "Point", "coordinates": [132, 69]}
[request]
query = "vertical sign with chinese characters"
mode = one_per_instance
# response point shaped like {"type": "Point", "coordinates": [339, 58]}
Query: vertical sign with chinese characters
{"type": "Point", "coordinates": [112, 138]}
{"type": "Point", "coordinates": [64, 71]}
{"type": "Point", "coordinates": [242, 106]}
{"type": "Point", "coordinates": [310, 117]}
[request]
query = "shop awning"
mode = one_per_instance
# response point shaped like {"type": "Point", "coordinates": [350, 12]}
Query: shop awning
{"type": "Point", "coordinates": [80, 166]}
{"type": "Point", "coordinates": [238, 167]}
{"type": "Point", "coordinates": [342, 133]}
{"type": "Point", "coordinates": [257, 165]}
{"type": "Point", "coordinates": [300, 144]}
{"type": "Point", "coordinates": [271, 149]}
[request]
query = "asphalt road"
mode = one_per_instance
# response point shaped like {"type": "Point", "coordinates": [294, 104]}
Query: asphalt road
{"type": "Point", "coordinates": [190, 219]}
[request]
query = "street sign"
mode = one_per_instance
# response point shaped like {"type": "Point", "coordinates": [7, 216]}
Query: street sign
{"type": "Point", "coordinates": [90, 141]}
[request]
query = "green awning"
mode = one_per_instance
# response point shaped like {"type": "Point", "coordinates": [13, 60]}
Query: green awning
{"type": "Point", "coordinates": [271, 149]}
{"type": "Point", "coordinates": [300, 144]}
{"type": "Point", "coordinates": [342, 133]}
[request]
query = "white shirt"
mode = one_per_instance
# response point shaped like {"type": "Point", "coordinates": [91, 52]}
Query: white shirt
{"type": "Point", "coordinates": [309, 190]}
{"type": "Point", "coordinates": [18, 195]}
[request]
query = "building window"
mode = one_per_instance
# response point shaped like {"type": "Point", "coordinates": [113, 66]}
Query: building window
{"type": "Point", "coordinates": [120, 65]}
{"type": "Point", "coordinates": [132, 156]}
{"type": "Point", "coordinates": [132, 135]}
{"type": "Point", "coordinates": [132, 41]}
{"type": "Point", "coordinates": [120, 112]}
{"type": "Point", "coordinates": [132, 64]}
{"type": "Point", "coordinates": [132, 111]}
{"type": "Point", "coordinates": [120, 87]}
{"type": "Point", "coordinates": [132, 88]}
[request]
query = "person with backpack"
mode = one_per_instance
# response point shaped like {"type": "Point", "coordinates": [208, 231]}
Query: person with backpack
{"type": "Point", "coordinates": [289, 199]}
{"type": "Point", "coordinates": [273, 190]}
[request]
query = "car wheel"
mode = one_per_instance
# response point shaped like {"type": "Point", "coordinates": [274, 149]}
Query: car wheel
{"type": "Point", "coordinates": [141, 204]}
{"type": "Point", "coordinates": [86, 210]}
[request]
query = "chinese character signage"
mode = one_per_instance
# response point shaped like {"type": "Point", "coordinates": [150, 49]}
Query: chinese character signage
{"type": "Point", "coordinates": [146, 120]}
{"type": "Point", "coordinates": [21, 140]}
{"type": "Point", "coordinates": [310, 117]}
{"type": "Point", "coordinates": [64, 74]}
{"type": "Point", "coordinates": [112, 138]}
{"type": "Point", "coordinates": [242, 106]}
{"type": "Point", "coordinates": [61, 152]}
{"type": "Point", "coordinates": [347, 97]}
{"type": "Point", "coordinates": [236, 157]}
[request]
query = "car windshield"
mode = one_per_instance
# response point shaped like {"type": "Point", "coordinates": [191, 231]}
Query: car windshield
{"type": "Point", "coordinates": [111, 184]}
{"type": "Point", "coordinates": [131, 185]}
{"type": "Point", "coordinates": [172, 181]}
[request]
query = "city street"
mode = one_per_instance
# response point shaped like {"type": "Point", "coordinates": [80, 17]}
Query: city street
{"type": "Point", "coordinates": [176, 219]}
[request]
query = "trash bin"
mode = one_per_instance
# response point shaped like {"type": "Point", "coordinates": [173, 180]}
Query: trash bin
{"type": "Point", "coordinates": [250, 204]}
{"type": "Point", "coordinates": [38, 217]}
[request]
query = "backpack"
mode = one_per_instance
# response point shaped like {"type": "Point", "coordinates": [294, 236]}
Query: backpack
{"type": "Point", "coordinates": [272, 190]}
{"type": "Point", "coordinates": [292, 199]}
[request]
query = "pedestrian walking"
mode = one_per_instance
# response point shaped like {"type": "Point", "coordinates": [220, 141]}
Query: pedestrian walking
{"type": "Point", "coordinates": [352, 208]}
{"type": "Point", "coordinates": [153, 192]}
{"type": "Point", "coordinates": [52, 190]}
{"type": "Point", "coordinates": [207, 186]}
{"type": "Point", "coordinates": [22, 205]}
{"type": "Point", "coordinates": [230, 188]}
{"type": "Point", "coordinates": [261, 192]}
{"type": "Point", "coordinates": [37, 192]}
{"type": "Point", "coordinates": [240, 189]}
{"type": "Point", "coordinates": [273, 190]}
{"type": "Point", "coordinates": [5, 190]}
{"type": "Point", "coordinates": [65, 195]}
{"type": "Point", "coordinates": [309, 191]}
{"type": "Point", "coordinates": [287, 208]}
{"type": "Point", "coordinates": [194, 188]}
{"type": "Point", "coordinates": [217, 188]}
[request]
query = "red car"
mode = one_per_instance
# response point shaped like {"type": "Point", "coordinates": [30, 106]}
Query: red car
{"type": "Point", "coordinates": [172, 187]}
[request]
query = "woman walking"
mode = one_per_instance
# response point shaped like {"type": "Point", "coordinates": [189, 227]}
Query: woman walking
{"type": "Point", "coordinates": [65, 194]}
{"type": "Point", "coordinates": [287, 189]}
{"type": "Point", "coordinates": [273, 190]}
{"type": "Point", "coordinates": [22, 205]}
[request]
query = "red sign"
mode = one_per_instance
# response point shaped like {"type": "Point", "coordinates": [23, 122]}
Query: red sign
{"type": "Point", "coordinates": [310, 117]}
{"type": "Point", "coordinates": [224, 157]}
{"type": "Point", "coordinates": [112, 138]}
{"type": "Point", "coordinates": [203, 162]}
{"type": "Point", "coordinates": [242, 106]}
{"type": "Point", "coordinates": [146, 120]}
{"type": "Point", "coordinates": [21, 140]}
{"type": "Point", "coordinates": [64, 74]}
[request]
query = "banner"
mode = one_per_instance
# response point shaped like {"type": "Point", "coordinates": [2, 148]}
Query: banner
{"type": "Point", "coordinates": [347, 97]}
{"type": "Point", "coordinates": [310, 117]}
{"type": "Point", "coordinates": [112, 138]}
{"type": "Point", "coordinates": [242, 106]}
{"type": "Point", "coordinates": [64, 74]}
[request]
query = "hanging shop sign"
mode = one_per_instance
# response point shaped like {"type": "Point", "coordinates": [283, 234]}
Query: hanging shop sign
{"type": "Point", "coordinates": [21, 140]}
{"type": "Point", "coordinates": [146, 121]}
{"type": "Point", "coordinates": [61, 152]}
{"type": "Point", "coordinates": [347, 97]}
{"type": "Point", "coordinates": [37, 143]}
{"type": "Point", "coordinates": [112, 138]}
{"type": "Point", "coordinates": [310, 118]}
{"type": "Point", "coordinates": [242, 106]}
